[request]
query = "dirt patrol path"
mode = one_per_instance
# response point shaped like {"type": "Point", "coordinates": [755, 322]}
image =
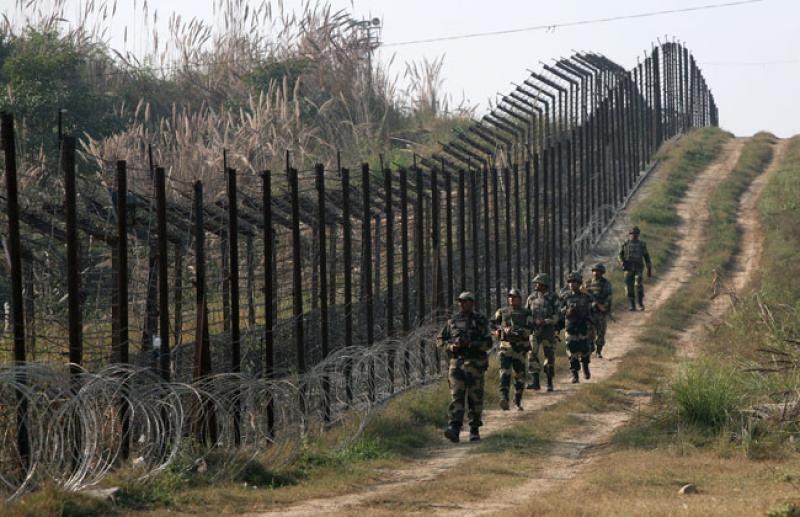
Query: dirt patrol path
{"type": "Point", "coordinates": [747, 262]}
{"type": "Point", "coordinates": [569, 458]}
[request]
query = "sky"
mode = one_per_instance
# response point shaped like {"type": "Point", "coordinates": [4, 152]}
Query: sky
{"type": "Point", "coordinates": [750, 54]}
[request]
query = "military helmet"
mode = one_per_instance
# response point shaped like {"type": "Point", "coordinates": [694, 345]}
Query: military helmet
{"type": "Point", "coordinates": [514, 292]}
{"type": "Point", "coordinates": [634, 231]}
{"type": "Point", "coordinates": [599, 267]}
{"type": "Point", "coordinates": [542, 278]}
{"type": "Point", "coordinates": [575, 276]}
{"type": "Point", "coordinates": [466, 296]}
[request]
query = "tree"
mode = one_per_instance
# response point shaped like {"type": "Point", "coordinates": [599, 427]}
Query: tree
{"type": "Point", "coordinates": [43, 72]}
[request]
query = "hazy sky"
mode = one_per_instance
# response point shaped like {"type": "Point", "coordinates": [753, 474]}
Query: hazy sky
{"type": "Point", "coordinates": [750, 54]}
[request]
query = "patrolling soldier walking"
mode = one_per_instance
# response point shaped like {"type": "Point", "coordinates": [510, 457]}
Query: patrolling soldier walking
{"type": "Point", "coordinates": [544, 310]}
{"type": "Point", "coordinates": [633, 256]}
{"type": "Point", "coordinates": [512, 325]}
{"type": "Point", "coordinates": [577, 313]}
{"type": "Point", "coordinates": [466, 339]}
{"type": "Point", "coordinates": [600, 289]}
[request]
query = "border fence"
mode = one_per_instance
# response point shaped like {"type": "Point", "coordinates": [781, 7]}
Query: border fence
{"type": "Point", "coordinates": [156, 322]}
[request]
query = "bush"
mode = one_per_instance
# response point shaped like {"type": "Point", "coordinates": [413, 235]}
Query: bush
{"type": "Point", "coordinates": [708, 394]}
{"type": "Point", "coordinates": [786, 510]}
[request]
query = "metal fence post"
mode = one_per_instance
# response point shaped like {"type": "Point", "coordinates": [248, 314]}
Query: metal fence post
{"type": "Point", "coordinates": [419, 263]}
{"type": "Point", "coordinates": [73, 263]}
{"type": "Point", "coordinates": [517, 224]}
{"type": "Point", "coordinates": [462, 230]}
{"type": "Point", "coordinates": [487, 243]}
{"type": "Point", "coordinates": [496, 233]}
{"type": "Point", "coordinates": [390, 281]}
{"type": "Point", "coordinates": [366, 269]}
{"type": "Point", "coordinates": [163, 280]}
{"type": "Point", "coordinates": [404, 277]}
{"type": "Point", "coordinates": [348, 276]}
{"type": "Point", "coordinates": [269, 288]}
{"type": "Point", "coordinates": [319, 171]}
{"type": "Point", "coordinates": [120, 339]}
{"type": "Point", "coordinates": [17, 303]}
{"type": "Point", "coordinates": [448, 186]}
{"type": "Point", "coordinates": [297, 273]}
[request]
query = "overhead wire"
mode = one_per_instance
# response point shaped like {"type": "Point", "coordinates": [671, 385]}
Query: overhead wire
{"type": "Point", "coordinates": [591, 21]}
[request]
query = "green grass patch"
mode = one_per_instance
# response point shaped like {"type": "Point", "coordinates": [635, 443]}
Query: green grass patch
{"type": "Point", "coordinates": [708, 394]}
{"type": "Point", "coordinates": [51, 501]}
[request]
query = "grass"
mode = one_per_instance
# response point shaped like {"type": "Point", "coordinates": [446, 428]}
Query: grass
{"type": "Point", "coordinates": [707, 394]}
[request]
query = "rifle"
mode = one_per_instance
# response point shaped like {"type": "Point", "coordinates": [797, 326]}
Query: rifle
{"type": "Point", "coordinates": [458, 345]}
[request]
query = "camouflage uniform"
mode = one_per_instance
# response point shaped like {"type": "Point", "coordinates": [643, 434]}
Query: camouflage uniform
{"type": "Point", "coordinates": [514, 325]}
{"type": "Point", "coordinates": [578, 316]}
{"type": "Point", "coordinates": [544, 306]}
{"type": "Point", "coordinates": [601, 291]}
{"type": "Point", "coordinates": [466, 365]}
{"type": "Point", "coordinates": [633, 256]}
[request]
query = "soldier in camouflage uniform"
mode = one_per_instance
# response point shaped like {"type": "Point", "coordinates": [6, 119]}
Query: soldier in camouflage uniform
{"type": "Point", "coordinates": [544, 310]}
{"type": "Point", "coordinates": [512, 325]}
{"type": "Point", "coordinates": [600, 289]}
{"type": "Point", "coordinates": [578, 316]}
{"type": "Point", "coordinates": [466, 339]}
{"type": "Point", "coordinates": [633, 256]}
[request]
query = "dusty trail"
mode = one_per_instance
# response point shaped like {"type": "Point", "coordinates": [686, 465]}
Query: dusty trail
{"type": "Point", "coordinates": [623, 336]}
{"type": "Point", "coordinates": [747, 261]}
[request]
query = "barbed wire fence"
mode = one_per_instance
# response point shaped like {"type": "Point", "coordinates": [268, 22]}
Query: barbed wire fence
{"type": "Point", "coordinates": [156, 322]}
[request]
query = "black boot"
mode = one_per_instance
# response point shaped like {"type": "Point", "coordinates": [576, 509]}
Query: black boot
{"type": "Point", "coordinates": [504, 402]}
{"type": "Point", "coordinates": [631, 303]}
{"type": "Point", "coordinates": [586, 373]}
{"type": "Point", "coordinates": [474, 435]}
{"type": "Point", "coordinates": [518, 400]}
{"type": "Point", "coordinates": [549, 381]}
{"type": "Point", "coordinates": [452, 433]}
{"type": "Point", "coordinates": [641, 302]}
{"type": "Point", "coordinates": [535, 384]}
{"type": "Point", "coordinates": [599, 351]}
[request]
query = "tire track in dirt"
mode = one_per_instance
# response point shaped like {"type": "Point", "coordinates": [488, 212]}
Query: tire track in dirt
{"type": "Point", "coordinates": [568, 458]}
{"type": "Point", "coordinates": [622, 337]}
{"type": "Point", "coordinates": [746, 263]}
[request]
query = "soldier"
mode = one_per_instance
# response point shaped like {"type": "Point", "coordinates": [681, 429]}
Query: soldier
{"type": "Point", "coordinates": [633, 256]}
{"type": "Point", "coordinates": [600, 289]}
{"type": "Point", "coordinates": [544, 310]}
{"type": "Point", "coordinates": [577, 313]}
{"type": "Point", "coordinates": [466, 338]}
{"type": "Point", "coordinates": [512, 325]}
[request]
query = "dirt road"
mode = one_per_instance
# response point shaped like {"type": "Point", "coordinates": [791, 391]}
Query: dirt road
{"type": "Point", "coordinates": [623, 337]}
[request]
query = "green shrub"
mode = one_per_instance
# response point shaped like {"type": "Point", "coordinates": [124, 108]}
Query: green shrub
{"type": "Point", "coordinates": [708, 394]}
{"type": "Point", "coordinates": [785, 510]}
